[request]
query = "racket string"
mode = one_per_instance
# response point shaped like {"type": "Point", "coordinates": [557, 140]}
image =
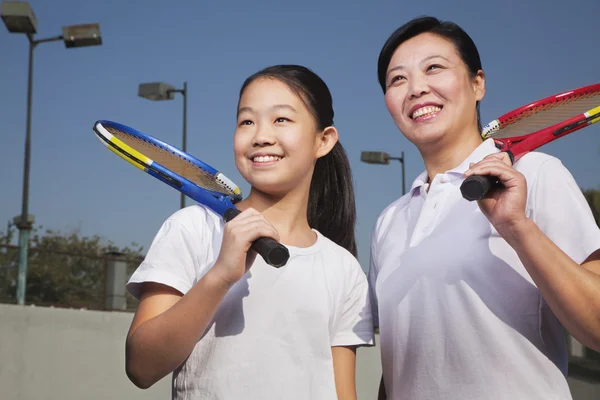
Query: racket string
{"type": "Point", "coordinates": [173, 162]}
{"type": "Point", "coordinates": [535, 118]}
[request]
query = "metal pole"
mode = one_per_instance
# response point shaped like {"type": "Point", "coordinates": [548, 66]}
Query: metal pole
{"type": "Point", "coordinates": [24, 225]}
{"type": "Point", "coordinates": [184, 92]}
{"type": "Point", "coordinates": [403, 177]}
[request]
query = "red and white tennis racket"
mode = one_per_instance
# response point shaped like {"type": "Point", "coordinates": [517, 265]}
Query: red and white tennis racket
{"type": "Point", "coordinates": [529, 127]}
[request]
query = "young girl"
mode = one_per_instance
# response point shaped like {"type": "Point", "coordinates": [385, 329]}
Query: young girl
{"type": "Point", "coordinates": [474, 297]}
{"type": "Point", "coordinates": [226, 323]}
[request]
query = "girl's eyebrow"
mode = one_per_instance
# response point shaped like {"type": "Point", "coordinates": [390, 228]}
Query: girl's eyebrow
{"type": "Point", "coordinates": [398, 67]}
{"type": "Point", "coordinates": [283, 106]}
{"type": "Point", "coordinates": [273, 108]}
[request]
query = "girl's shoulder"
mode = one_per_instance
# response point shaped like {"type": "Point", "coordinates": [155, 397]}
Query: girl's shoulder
{"type": "Point", "coordinates": [338, 259]}
{"type": "Point", "coordinates": [197, 219]}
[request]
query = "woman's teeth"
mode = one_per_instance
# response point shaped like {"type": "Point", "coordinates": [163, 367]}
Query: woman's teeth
{"type": "Point", "coordinates": [266, 159]}
{"type": "Point", "coordinates": [423, 111]}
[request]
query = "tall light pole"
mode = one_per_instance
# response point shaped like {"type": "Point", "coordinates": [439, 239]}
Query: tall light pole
{"type": "Point", "coordinates": [19, 18]}
{"type": "Point", "coordinates": [379, 157]}
{"type": "Point", "coordinates": [162, 91]}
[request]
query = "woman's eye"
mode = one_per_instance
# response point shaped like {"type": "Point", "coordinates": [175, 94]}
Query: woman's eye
{"type": "Point", "coordinates": [396, 78]}
{"type": "Point", "coordinates": [246, 122]}
{"type": "Point", "coordinates": [281, 119]}
{"type": "Point", "coordinates": [434, 66]}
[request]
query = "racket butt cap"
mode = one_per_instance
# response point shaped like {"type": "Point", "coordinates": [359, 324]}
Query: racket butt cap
{"type": "Point", "coordinates": [476, 187]}
{"type": "Point", "coordinates": [274, 253]}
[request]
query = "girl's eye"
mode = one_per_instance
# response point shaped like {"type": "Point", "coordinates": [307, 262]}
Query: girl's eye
{"type": "Point", "coordinates": [281, 119]}
{"type": "Point", "coordinates": [246, 122]}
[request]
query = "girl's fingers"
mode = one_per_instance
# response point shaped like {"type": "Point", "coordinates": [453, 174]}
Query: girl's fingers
{"type": "Point", "coordinates": [251, 228]}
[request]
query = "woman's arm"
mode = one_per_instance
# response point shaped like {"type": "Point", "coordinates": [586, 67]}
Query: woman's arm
{"type": "Point", "coordinates": [344, 368]}
{"type": "Point", "coordinates": [571, 290]}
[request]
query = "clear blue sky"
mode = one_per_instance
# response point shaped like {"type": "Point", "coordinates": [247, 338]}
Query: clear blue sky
{"type": "Point", "coordinates": [529, 49]}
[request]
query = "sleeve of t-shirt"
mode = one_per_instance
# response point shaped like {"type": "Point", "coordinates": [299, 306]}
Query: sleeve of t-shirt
{"type": "Point", "coordinates": [355, 325]}
{"type": "Point", "coordinates": [169, 261]}
{"type": "Point", "coordinates": [560, 210]}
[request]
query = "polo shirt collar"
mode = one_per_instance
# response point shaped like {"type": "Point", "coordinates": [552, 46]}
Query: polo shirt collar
{"type": "Point", "coordinates": [486, 148]}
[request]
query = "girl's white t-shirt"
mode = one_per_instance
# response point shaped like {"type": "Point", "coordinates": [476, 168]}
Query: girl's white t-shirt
{"type": "Point", "coordinates": [271, 337]}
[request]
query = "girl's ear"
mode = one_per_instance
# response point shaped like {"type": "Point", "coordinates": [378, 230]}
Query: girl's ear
{"type": "Point", "coordinates": [326, 140]}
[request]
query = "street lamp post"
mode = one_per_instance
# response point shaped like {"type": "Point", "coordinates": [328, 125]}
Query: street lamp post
{"type": "Point", "coordinates": [162, 91]}
{"type": "Point", "coordinates": [379, 157]}
{"type": "Point", "coordinates": [19, 18]}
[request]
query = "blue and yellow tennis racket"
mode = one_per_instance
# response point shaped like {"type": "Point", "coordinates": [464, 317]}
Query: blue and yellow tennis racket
{"type": "Point", "coordinates": [185, 173]}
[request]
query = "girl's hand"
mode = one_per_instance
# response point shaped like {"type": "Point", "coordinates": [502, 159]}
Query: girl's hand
{"type": "Point", "coordinates": [235, 258]}
{"type": "Point", "coordinates": [504, 208]}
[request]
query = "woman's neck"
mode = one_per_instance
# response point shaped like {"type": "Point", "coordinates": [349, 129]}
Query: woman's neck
{"type": "Point", "coordinates": [448, 154]}
{"type": "Point", "coordinates": [288, 214]}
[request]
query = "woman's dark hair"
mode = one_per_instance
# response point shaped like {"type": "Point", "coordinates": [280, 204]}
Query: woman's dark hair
{"type": "Point", "coordinates": [331, 205]}
{"type": "Point", "coordinates": [448, 30]}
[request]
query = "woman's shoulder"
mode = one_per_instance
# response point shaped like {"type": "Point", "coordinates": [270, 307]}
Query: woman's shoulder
{"type": "Point", "coordinates": [532, 163]}
{"type": "Point", "coordinates": [544, 172]}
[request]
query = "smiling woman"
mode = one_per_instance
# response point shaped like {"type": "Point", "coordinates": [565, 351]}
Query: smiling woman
{"type": "Point", "coordinates": [433, 94]}
{"type": "Point", "coordinates": [474, 298]}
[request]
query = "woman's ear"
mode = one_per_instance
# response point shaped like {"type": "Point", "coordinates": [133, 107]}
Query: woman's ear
{"type": "Point", "coordinates": [479, 85]}
{"type": "Point", "coordinates": [325, 141]}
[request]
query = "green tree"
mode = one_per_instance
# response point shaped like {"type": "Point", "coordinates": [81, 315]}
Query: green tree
{"type": "Point", "coordinates": [593, 198]}
{"type": "Point", "coordinates": [63, 269]}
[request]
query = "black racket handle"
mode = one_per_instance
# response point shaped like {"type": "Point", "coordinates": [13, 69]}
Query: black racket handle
{"type": "Point", "coordinates": [273, 252]}
{"type": "Point", "coordinates": [476, 187]}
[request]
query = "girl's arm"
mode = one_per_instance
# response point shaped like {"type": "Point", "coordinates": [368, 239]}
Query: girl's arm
{"type": "Point", "coordinates": [572, 290]}
{"type": "Point", "coordinates": [344, 368]}
{"type": "Point", "coordinates": [167, 325]}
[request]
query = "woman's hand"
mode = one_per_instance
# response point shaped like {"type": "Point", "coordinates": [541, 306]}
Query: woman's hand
{"type": "Point", "coordinates": [504, 208]}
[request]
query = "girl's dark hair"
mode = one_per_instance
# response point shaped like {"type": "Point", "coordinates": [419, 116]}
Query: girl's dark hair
{"type": "Point", "coordinates": [448, 30]}
{"type": "Point", "coordinates": [331, 206]}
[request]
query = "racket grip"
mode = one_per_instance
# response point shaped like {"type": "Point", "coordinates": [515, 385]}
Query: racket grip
{"type": "Point", "coordinates": [273, 252]}
{"type": "Point", "coordinates": [476, 187]}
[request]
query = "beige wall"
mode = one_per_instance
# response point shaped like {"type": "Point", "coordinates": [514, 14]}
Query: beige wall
{"type": "Point", "coordinates": [65, 354]}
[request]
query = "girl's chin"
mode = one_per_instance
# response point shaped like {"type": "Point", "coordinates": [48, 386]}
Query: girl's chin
{"type": "Point", "coordinates": [271, 189]}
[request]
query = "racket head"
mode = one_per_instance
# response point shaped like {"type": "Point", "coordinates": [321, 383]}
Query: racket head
{"type": "Point", "coordinates": [529, 127]}
{"type": "Point", "coordinates": [180, 170]}
{"type": "Point", "coordinates": [547, 112]}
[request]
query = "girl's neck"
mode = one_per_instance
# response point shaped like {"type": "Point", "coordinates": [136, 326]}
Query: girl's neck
{"type": "Point", "coordinates": [288, 214]}
{"type": "Point", "coordinates": [448, 154]}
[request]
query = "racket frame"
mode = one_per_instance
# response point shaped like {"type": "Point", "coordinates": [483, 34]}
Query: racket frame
{"type": "Point", "coordinates": [477, 187]}
{"type": "Point", "coordinates": [218, 202]}
{"type": "Point", "coordinates": [273, 252]}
